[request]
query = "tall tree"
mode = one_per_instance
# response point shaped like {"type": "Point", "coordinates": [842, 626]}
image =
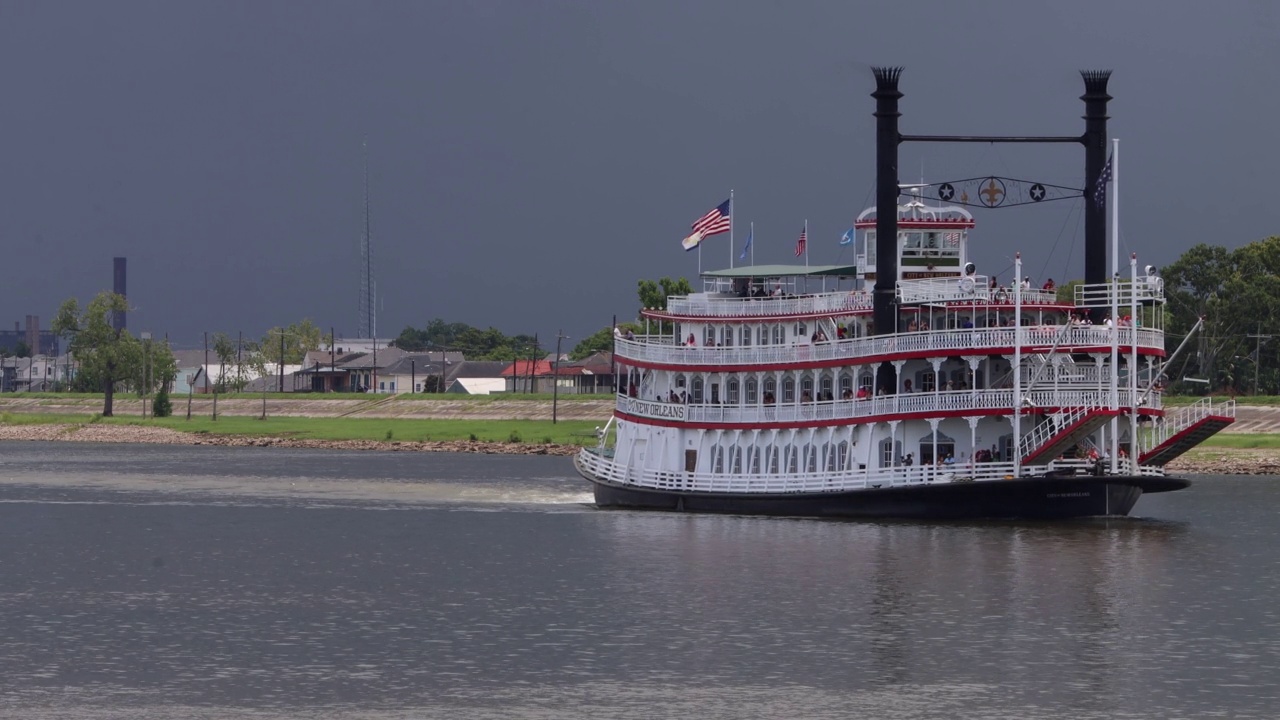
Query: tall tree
{"type": "Point", "coordinates": [106, 356]}
{"type": "Point", "coordinates": [299, 339]}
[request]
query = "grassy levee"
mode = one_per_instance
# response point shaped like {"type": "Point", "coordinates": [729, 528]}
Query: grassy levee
{"type": "Point", "coordinates": [567, 432]}
{"type": "Point", "coordinates": [450, 397]}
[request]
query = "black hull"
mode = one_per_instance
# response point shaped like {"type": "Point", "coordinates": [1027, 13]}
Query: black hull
{"type": "Point", "coordinates": [1037, 497]}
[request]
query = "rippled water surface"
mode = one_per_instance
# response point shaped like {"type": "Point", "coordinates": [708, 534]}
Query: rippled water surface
{"type": "Point", "coordinates": [185, 582]}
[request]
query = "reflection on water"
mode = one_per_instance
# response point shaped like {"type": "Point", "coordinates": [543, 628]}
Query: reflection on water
{"type": "Point", "coordinates": [171, 582]}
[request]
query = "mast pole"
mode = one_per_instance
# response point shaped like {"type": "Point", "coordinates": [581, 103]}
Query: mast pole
{"type": "Point", "coordinates": [1113, 200]}
{"type": "Point", "coordinates": [731, 228]}
{"type": "Point", "coordinates": [1017, 365]}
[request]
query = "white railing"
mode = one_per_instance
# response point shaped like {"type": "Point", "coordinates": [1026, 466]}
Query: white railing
{"type": "Point", "coordinates": [905, 403]}
{"type": "Point", "coordinates": [732, 306]}
{"type": "Point", "coordinates": [972, 288]}
{"type": "Point", "coordinates": [1047, 430]}
{"type": "Point", "coordinates": [604, 468]}
{"type": "Point", "coordinates": [1127, 292]}
{"type": "Point", "coordinates": [960, 341]}
{"type": "Point", "coordinates": [1183, 418]}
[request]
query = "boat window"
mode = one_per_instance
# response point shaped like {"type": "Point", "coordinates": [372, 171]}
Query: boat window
{"type": "Point", "coordinates": [806, 387]}
{"type": "Point", "coordinates": [789, 390]}
{"type": "Point", "coordinates": [931, 241]}
{"type": "Point", "coordinates": [746, 334]}
{"type": "Point", "coordinates": [732, 390]}
{"type": "Point", "coordinates": [696, 390]}
{"type": "Point", "coordinates": [927, 381]}
{"type": "Point", "coordinates": [709, 336]}
{"type": "Point", "coordinates": [811, 458]}
{"type": "Point", "coordinates": [753, 460]}
{"type": "Point", "coordinates": [778, 332]}
{"type": "Point", "coordinates": [802, 332]}
{"type": "Point", "coordinates": [726, 336]}
{"type": "Point", "coordinates": [772, 459]}
{"type": "Point", "coordinates": [770, 390]}
{"type": "Point", "coordinates": [826, 388]}
{"type": "Point", "coordinates": [842, 455]}
{"type": "Point", "coordinates": [793, 459]}
{"type": "Point", "coordinates": [846, 384]}
{"type": "Point", "coordinates": [911, 240]}
{"type": "Point", "coordinates": [865, 382]}
{"type": "Point", "coordinates": [735, 460]}
{"type": "Point", "coordinates": [751, 391]}
{"type": "Point", "coordinates": [890, 452]}
{"type": "Point", "coordinates": [717, 459]}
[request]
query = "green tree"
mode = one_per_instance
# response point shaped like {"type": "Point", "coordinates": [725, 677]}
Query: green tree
{"type": "Point", "coordinates": [299, 339]}
{"type": "Point", "coordinates": [21, 349]}
{"type": "Point", "coordinates": [106, 356]}
{"type": "Point", "coordinates": [655, 294]}
{"type": "Point", "coordinates": [157, 369]}
{"type": "Point", "coordinates": [600, 341]}
{"type": "Point", "coordinates": [162, 407]}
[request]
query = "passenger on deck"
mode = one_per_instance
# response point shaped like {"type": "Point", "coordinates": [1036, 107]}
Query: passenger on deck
{"type": "Point", "coordinates": [1049, 285]}
{"type": "Point", "coordinates": [692, 341]}
{"type": "Point", "coordinates": [863, 393]}
{"type": "Point", "coordinates": [906, 386]}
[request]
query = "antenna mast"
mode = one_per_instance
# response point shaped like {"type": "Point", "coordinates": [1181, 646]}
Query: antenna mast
{"type": "Point", "coordinates": [368, 306]}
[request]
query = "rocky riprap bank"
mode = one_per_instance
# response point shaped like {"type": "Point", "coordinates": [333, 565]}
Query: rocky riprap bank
{"type": "Point", "coordinates": [164, 436]}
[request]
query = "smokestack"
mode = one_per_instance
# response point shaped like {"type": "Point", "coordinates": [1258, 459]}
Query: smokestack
{"type": "Point", "coordinates": [118, 319]}
{"type": "Point", "coordinates": [887, 141]}
{"type": "Point", "coordinates": [1095, 156]}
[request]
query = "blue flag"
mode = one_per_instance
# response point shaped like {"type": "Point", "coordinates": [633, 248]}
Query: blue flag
{"type": "Point", "coordinates": [751, 233]}
{"type": "Point", "coordinates": [847, 238]}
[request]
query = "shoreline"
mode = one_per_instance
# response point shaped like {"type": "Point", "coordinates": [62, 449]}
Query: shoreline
{"type": "Point", "coordinates": [91, 432]}
{"type": "Point", "coordinates": [1202, 461]}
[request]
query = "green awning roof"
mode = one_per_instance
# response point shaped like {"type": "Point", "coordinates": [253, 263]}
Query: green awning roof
{"type": "Point", "coordinates": [760, 271]}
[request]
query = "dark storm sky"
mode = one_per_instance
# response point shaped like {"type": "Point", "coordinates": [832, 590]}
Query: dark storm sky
{"type": "Point", "coordinates": [531, 160]}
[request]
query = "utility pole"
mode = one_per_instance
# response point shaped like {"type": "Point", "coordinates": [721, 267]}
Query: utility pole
{"type": "Point", "coordinates": [555, 376]}
{"type": "Point", "coordinates": [282, 360]}
{"type": "Point", "coordinates": [206, 376]}
{"type": "Point", "coordinates": [146, 386]}
{"type": "Point", "coordinates": [1257, 356]}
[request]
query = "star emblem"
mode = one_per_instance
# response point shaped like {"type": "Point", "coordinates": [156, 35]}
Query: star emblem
{"type": "Point", "coordinates": [1037, 192]}
{"type": "Point", "coordinates": [946, 191]}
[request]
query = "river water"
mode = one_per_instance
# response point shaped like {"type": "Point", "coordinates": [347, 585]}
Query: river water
{"type": "Point", "coordinates": [200, 582]}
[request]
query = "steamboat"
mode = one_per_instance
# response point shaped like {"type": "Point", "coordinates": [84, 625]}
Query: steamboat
{"type": "Point", "coordinates": [906, 384]}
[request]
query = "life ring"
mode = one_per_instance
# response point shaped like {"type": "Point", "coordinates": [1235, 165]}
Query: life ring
{"type": "Point", "coordinates": [966, 285]}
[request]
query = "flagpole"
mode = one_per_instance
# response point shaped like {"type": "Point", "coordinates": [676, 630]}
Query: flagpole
{"type": "Point", "coordinates": [699, 261]}
{"type": "Point", "coordinates": [731, 251]}
{"type": "Point", "coordinates": [1114, 198]}
{"type": "Point", "coordinates": [752, 235]}
{"type": "Point", "coordinates": [806, 242]}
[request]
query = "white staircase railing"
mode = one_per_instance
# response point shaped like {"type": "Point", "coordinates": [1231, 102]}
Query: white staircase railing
{"type": "Point", "coordinates": [1046, 431]}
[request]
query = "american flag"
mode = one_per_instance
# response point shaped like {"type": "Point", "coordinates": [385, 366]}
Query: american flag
{"type": "Point", "coordinates": [1100, 187]}
{"type": "Point", "coordinates": [952, 238]}
{"type": "Point", "coordinates": [714, 222]}
{"type": "Point", "coordinates": [804, 240]}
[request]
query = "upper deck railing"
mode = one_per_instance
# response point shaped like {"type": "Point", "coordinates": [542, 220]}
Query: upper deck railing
{"type": "Point", "coordinates": [930, 403]}
{"type": "Point", "coordinates": [930, 290]}
{"type": "Point", "coordinates": [722, 305]}
{"type": "Point", "coordinates": [962, 341]}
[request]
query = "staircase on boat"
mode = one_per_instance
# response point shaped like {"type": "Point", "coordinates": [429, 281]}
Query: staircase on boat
{"type": "Point", "coordinates": [1050, 439]}
{"type": "Point", "coordinates": [1186, 429]}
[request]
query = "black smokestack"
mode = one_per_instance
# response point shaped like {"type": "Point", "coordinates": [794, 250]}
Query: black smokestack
{"type": "Point", "coordinates": [1095, 156]}
{"type": "Point", "coordinates": [887, 140]}
{"type": "Point", "coordinates": [118, 319]}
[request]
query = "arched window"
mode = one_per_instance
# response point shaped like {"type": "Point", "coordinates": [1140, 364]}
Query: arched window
{"type": "Point", "coordinates": [753, 460]}
{"type": "Point", "coordinates": [726, 335]}
{"type": "Point", "coordinates": [802, 331]}
{"type": "Point", "coordinates": [793, 459]}
{"type": "Point", "coordinates": [745, 332]}
{"type": "Point", "coordinates": [825, 388]}
{"type": "Point", "coordinates": [779, 333]}
{"type": "Point", "coordinates": [846, 384]}
{"type": "Point", "coordinates": [842, 455]}
{"type": "Point", "coordinates": [731, 388]}
{"type": "Point", "coordinates": [735, 460]}
{"type": "Point", "coordinates": [695, 390]}
{"type": "Point", "coordinates": [788, 390]}
{"type": "Point", "coordinates": [762, 334]}
{"type": "Point", "coordinates": [771, 456]}
{"type": "Point", "coordinates": [866, 382]}
{"type": "Point", "coordinates": [806, 386]}
{"type": "Point", "coordinates": [709, 336]}
{"type": "Point", "coordinates": [717, 459]}
{"type": "Point", "coordinates": [811, 458]}
{"type": "Point", "coordinates": [752, 395]}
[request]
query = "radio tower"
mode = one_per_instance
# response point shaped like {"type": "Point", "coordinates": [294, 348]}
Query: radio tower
{"type": "Point", "coordinates": [368, 321]}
